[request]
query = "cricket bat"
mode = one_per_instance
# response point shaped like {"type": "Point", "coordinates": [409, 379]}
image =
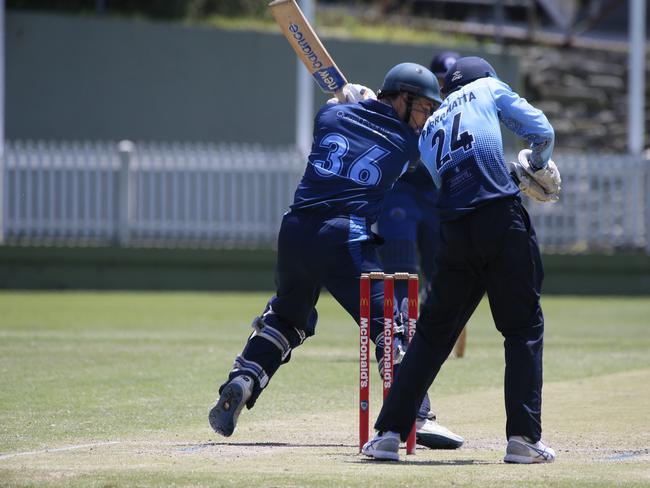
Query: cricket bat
{"type": "Point", "coordinates": [308, 47]}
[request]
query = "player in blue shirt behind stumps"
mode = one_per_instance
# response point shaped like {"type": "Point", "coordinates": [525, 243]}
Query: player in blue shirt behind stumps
{"type": "Point", "coordinates": [359, 151]}
{"type": "Point", "coordinates": [408, 221]}
{"type": "Point", "coordinates": [487, 244]}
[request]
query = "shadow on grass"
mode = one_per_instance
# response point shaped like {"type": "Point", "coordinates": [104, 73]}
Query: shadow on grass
{"type": "Point", "coordinates": [205, 445]}
{"type": "Point", "coordinates": [428, 462]}
{"type": "Point", "coordinates": [358, 459]}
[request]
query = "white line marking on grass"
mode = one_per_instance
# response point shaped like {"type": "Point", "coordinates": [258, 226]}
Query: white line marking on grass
{"type": "Point", "coordinates": [642, 455]}
{"type": "Point", "coordinates": [58, 449]}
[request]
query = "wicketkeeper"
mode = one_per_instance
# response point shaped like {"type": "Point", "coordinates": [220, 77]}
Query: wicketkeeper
{"type": "Point", "coordinates": [487, 244]}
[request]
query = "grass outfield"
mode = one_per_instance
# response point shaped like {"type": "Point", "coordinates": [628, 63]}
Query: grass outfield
{"type": "Point", "coordinates": [113, 389]}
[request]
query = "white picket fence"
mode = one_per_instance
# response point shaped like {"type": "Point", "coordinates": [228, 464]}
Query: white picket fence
{"type": "Point", "coordinates": [226, 195]}
{"type": "Point", "coordinates": [155, 194]}
{"type": "Point", "coordinates": [604, 205]}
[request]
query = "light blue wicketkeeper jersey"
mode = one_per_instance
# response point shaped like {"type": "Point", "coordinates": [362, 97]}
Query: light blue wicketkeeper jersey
{"type": "Point", "coordinates": [461, 144]}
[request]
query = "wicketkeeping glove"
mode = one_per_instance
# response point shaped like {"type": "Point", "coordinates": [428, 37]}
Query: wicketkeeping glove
{"type": "Point", "coordinates": [528, 185]}
{"type": "Point", "coordinates": [548, 177]}
{"type": "Point", "coordinates": [354, 92]}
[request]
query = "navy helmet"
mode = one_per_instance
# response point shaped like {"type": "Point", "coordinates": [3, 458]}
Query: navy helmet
{"type": "Point", "coordinates": [465, 70]}
{"type": "Point", "coordinates": [441, 62]}
{"type": "Point", "coordinates": [411, 78]}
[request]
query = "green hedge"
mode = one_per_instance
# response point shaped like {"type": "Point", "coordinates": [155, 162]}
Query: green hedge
{"type": "Point", "coordinates": [135, 269]}
{"type": "Point", "coordinates": [112, 268]}
{"type": "Point", "coordinates": [597, 274]}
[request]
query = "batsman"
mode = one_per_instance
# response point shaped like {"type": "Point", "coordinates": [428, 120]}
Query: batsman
{"type": "Point", "coordinates": [359, 150]}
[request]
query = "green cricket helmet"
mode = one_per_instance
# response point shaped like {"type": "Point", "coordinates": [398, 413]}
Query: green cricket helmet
{"type": "Point", "coordinates": [411, 78]}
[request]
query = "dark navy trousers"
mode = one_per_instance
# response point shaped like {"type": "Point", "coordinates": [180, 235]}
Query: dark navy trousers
{"type": "Point", "coordinates": [314, 251]}
{"type": "Point", "coordinates": [491, 250]}
{"type": "Point", "coordinates": [331, 252]}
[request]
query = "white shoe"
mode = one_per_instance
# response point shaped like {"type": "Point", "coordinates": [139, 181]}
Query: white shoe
{"type": "Point", "coordinates": [385, 446]}
{"type": "Point", "coordinates": [431, 434]}
{"type": "Point", "coordinates": [223, 416]}
{"type": "Point", "coordinates": [521, 451]}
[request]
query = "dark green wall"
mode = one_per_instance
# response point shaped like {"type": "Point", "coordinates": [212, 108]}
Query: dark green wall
{"type": "Point", "coordinates": [108, 79]}
{"type": "Point", "coordinates": [205, 269]}
{"type": "Point", "coordinates": [135, 269]}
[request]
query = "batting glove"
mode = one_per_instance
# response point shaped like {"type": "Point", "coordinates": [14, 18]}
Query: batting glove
{"type": "Point", "coordinates": [528, 185]}
{"type": "Point", "coordinates": [354, 92]}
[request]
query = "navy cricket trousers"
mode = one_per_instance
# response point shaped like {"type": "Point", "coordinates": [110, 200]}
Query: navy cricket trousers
{"type": "Point", "coordinates": [316, 252]}
{"type": "Point", "coordinates": [313, 252]}
{"type": "Point", "coordinates": [493, 249]}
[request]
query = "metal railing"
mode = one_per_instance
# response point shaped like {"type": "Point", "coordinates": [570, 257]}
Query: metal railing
{"type": "Point", "coordinates": [227, 195]}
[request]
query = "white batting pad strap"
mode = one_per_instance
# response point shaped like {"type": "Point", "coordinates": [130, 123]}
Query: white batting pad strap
{"type": "Point", "coordinates": [301, 334]}
{"type": "Point", "coordinates": [257, 325]}
{"type": "Point", "coordinates": [251, 368]}
{"type": "Point", "coordinates": [276, 338]}
{"type": "Point", "coordinates": [399, 350]}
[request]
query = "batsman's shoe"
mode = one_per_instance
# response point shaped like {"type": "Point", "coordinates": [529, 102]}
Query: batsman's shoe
{"type": "Point", "coordinates": [385, 446]}
{"type": "Point", "coordinates": [223, 416]}
{"type": "Point", "coordinates": [431, 434]}
{"type": "Point", "coordinates": [521, 451]}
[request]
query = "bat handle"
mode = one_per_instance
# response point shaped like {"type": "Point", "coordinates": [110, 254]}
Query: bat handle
{"type": "Point", "coordinates": [340, 96]}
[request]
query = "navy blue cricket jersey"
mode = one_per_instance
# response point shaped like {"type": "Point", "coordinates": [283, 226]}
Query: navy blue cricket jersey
{"type": "Point", "coordinates": [461, 144]}
{"type": "Point", "coordinates": [420, 179]}
{"type": "Point", "coordinates": [359, 151]}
